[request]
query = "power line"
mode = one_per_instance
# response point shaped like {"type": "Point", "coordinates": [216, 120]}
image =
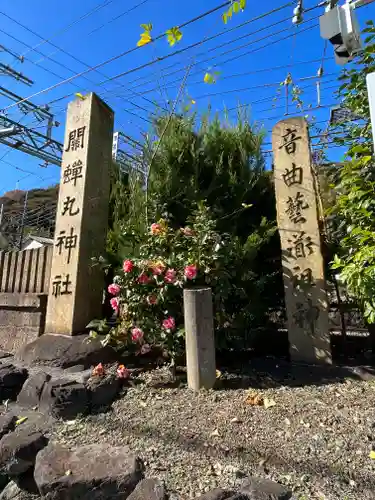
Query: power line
{"type": "Point", "coordinates": [215, 65]}
{"type": "Point", "coordinates": [114, 58]}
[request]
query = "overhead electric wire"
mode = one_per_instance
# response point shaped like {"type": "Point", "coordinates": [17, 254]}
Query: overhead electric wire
{"type": "Point", "coordinates": [116, 57]}
{"type": "Point", "coordinates": [73, 23]}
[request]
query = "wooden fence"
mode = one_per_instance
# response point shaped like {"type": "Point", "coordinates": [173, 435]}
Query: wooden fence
{"type": "Point", "coordinates": [26, 271]}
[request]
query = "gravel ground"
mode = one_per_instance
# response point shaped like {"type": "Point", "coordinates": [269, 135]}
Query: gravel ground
{"type": "Point", "coordinates": [316, 439]}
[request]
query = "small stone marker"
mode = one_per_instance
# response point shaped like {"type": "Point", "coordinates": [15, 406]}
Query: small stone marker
{"type": "Point", "coordinates": [200, 341]}
{"type": "Point", "coordinates": [297, 218]}
{"type": "Point", "coordinates": [76, 286]}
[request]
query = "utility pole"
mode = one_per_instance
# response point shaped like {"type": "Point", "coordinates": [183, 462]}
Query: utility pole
{"type": "Point", "coordinates": [370, 80]}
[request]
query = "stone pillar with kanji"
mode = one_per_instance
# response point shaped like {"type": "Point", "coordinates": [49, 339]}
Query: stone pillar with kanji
{"type": "Point", "coordinates": [298, 224]}
{"type": "Point", "coordinates": [76, 286]}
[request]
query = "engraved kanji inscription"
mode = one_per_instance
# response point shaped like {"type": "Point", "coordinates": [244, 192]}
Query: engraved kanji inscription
{"type": "Point", "coordinates": [66, 242]}
{"type": "Point", "coordinates": [68, 206]}
{"type": "Point", "coordinates": [300, 245]}
{"type": "Point", "coordinates": [293, 175]}
{"type": "Point", "coordinates": [306, 315]}
{"type": "Point", "coordinates": [290, 139]}
{"type": "Point", "coordinates": [76, 139]}
{"type": "Point", "coordinates": [61, 285]}
{"type": "Point", "coordinates": [296, 205]}
{"type": "Point", "coordinates": [73, 172]}
{"type": "Point", "coordinates": [302, 278]}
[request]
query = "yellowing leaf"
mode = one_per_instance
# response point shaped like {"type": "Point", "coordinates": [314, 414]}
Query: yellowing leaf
{"type": "Point", "coordinates": [21, 420]}
{"type": "Point", "coordinates": [145, 39]}
{"type": "Point", "coordinates": [268, 403]}
{"type": "Point", "coordinates": [218, 373]}
{"type": "Point", "coordinates": [174, 35]}
{"type": "Point", "coordinates": [225, 18]}
{"type": "Point", "coordinates": [372, 455]}
{"type": "Point", "coordinates": [254, 400]}
{"type": "Point", "coordinates": [243, 4]}
{"type": "Point", "coordinates": [147, 27]}
{"type": "Point", "coordinates": [193, 102]}
{"type": "Point", "coordinates": [80, 96]}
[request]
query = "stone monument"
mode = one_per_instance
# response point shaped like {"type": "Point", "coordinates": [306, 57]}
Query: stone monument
{"type": "Point", "coordinates": [76, 285]}
{"type": "Point", "coordinates": [297, 218]}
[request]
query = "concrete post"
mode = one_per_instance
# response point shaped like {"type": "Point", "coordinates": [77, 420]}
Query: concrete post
{"type": "Point", "coordinates": [200, 342]}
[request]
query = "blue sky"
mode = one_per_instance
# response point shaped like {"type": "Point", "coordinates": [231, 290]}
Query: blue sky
{"type": "Point", "coordinates": [252, 62]}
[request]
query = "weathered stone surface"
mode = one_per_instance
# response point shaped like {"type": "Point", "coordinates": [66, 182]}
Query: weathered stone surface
{"type": "Point", "coordinates": [91, 122]}
{"type": "Point", "coordinates": [103, 390]}
{"type": "Point", "coordinates": [4, 354]}
{"type": "Point", "coordinates": [64, 351]}
{"type": "Point", "coordinates": [19, 449]}
{"type": "Point", "coordinates": [75, 369]}
{"type": "Point", "coordinates": [264, 489]}
{"type": "Point", "coordinates": [7, 423]}
{"type": "Point", "coordinates": [64, 399]}
{"type": "Point", "coordinates": [13, 492]}
{"type": "Point", "coordinates": [11, 380]}
{"type": "Point", "coordinates": [32, 389]}
{"type": "Point", "coordinates": [86, 473]}
{"type": "Point", "coordinates": [148, 489]}
{"type": "Point", "coordinates": [217, 494]}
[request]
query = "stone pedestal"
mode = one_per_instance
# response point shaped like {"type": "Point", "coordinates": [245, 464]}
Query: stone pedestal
{"type": "Point", "coordinates": [76, 286]}
{"type": "Point", "coordinates": [200, 341]}
{"type": "Point", "coordinates": [297, 219]}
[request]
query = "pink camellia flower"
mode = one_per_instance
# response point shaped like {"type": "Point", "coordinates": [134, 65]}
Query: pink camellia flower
{"type": "Point", "coordinates": [143, 279]}
{"type": "Point", "coordinates": [122, 372]}
{"type": "Point", "coordinates": [170, 276]}
{"type": "Point", "coordinates": [128, 266]}
{"type": "Point", "coordinates": [115, 303]}
{"type": "Point", "coordinates": [137, 334]}
{"type": "Point", "coordinates": [145, 349]}
{"type": "Point", "coordinates": [169, 323]}
{"type": "Point", "coordinates": [156, 228]}
{"type": "Point", "coordinates": [114, 289]}
{"type": "Point", "coordinates": [191, 271]}
{"type": "Point", "coordinates": [187, 231]}
{"type": "Point", "coordinates": [98, 371]}
{"type": "Point", "coordinates": [152, 300]}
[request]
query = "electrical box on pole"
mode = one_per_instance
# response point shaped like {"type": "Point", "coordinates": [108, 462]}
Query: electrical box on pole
{"type": "Point", "coordinates": [339, 25]}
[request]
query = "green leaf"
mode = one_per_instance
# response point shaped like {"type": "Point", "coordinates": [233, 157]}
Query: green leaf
{"type": "Point", "coordinates": [236, 7]}
{"type": "Point", "coordinates": [225, 17]}
{"type": "Point", "coordinates": [243, 4]}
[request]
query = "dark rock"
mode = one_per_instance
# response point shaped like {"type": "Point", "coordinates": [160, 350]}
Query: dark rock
{"type": "Point", "coordinates": [264, 489]}
{"type": "Point", "coordinates": [217, 494]}
{"type": "Point", "coordinates": [103, 390]}
{"type": "Point", "coordinates": [148, 489]}
{"type": "Point", "coordinates": [32, 389]}
{"type": "Point", "coordinates": [64, 399]}
{"type": "Point", "coordinates": [64, 351]}
{"type": "Point", "coordinates": [19, 449]}
{"type": "Point", "coordinates": [75, 369]}
{"type": "Point", "coordinates": [13, 492]}
{"type": "Point", "coordinates": [86, 473]}
{"type": "Point", "coordinates": [26, 482]}
{"type": "Point", "coordinates": [4, 355]}
{"type": "Point", "coordinates": [11, 380]}
{"type": "Point", "coordinates": [7, 423]}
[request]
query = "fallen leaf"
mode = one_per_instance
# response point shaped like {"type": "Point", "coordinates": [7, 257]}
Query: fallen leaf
{"type": "Point", "coordinates": [68, 473]}
{"type": "Point", "coordinates": [254, 400]}
{"type": "Point", "coordinates": [218, 374]}
{"type": "Point", "coordinates": [215, 433]}
{"type": "Point", "coordinates": [287, 421]}
{"type": "Point", "coordinates": [235, 420]}
{"type": "Point", "coordinates": [21, 420]}
{"type": "Point", "coordinates": [372, 454]}
{"type": "Point", "coordinates": [268, 403]}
